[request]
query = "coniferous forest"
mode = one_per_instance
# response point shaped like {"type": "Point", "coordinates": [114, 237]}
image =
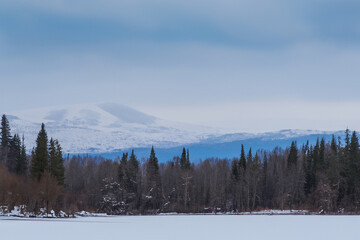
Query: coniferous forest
{"type": "Point", "coordinates": [323, 178]}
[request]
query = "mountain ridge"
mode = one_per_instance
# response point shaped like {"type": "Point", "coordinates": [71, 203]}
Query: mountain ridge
{"type": "Point", "coordinates": [112, 128]}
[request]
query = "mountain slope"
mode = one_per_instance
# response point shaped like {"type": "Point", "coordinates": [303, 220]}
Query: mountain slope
{"type": "Point", "coordinates": [109, 129]}
{"type": "Point", "coordinates": [104, 128]}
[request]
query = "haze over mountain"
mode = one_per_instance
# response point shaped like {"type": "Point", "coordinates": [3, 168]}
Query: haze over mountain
{"type": "Point", "coordinates": [109, 129]}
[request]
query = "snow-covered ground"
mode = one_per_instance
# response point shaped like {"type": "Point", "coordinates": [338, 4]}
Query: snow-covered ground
{"type": "Point", "coordinates": [206, 227]}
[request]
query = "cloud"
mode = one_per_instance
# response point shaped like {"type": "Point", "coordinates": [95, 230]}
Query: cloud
{"type": "Point", "coordinates": [181, 74]}
{"type": "Point", "coordinates": [244, 24]}
{"type": "Point", "coordinates": [180, 54]}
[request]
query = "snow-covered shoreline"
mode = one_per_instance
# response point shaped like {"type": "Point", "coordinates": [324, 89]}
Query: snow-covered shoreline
{"type": "Point", "coordinates": [20, 212]}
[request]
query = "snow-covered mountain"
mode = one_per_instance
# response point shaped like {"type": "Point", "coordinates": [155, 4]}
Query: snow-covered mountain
{"type": "Point", "coordinates": [104, 128]}
{"type": "Point", "coordinates": [111, 128]}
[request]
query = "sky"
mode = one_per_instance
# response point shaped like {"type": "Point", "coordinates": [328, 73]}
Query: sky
{"type": "Point", "coordinates": [249, 65]}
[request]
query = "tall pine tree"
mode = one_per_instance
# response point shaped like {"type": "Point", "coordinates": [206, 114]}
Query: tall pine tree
{"type": "Point", "coordinates": [122, 170]}
{"type": "Point", "coordinates": [56, 161]}
{"type": "Point", "coordinates": [5, 132]}
{"type": "Point", "coordinates": [352, 166]}
{"type": "Point", "coordinates": [153, 191]}
{"type": "Point", "coordinates": [242, 161]}
{"type": "Point", "coordinates": [309, 171]}
{"type": "Point", "coordinates": [132, 181]}
{"type": "Point", "coordinates": [293, 155]}
{"type": "Point", "coordinates": [39, 163]}
{"type": "Point", "coordinates": [5, 138]}
{"type": "Point", "coordinates": [184, 160]}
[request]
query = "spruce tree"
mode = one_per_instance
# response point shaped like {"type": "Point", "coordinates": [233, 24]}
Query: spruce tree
{"type": "Point", "coordinates": [122, 178]}
{"type": "Point", "coordinates": [242, 161]}
{"type": "Point", "coordinates": [129, 179]}
{"type": "Point", "coordinates": [153, 182]}
{"type": "Point", "coordinates": [5, 132]}
{"type": "Point", "coordinates": [5, 138]}
{"type": "Point", "coordinates": [56, 161]}
{"type": "Point", "coordinates": [354, 148]}
{"type": "Point", "coordinates": [347, 140]}
{"type": "Point", "coordinates": [309, 172]}
{"type": "Point", "coordinates": [132, 170]}
{"type": "Point", "coordinates": [352, 166]}
{"type": "Point", "coordinates": [316, 156]}
{"type": "Point", "coordinates": [186, 181]}
{"type": "Point", "coordinates": [183, 159]}
{"type": "Point", "coordinates": [293, 155]}
{"type": "Point", "coordinates": [122, 170]}
{"type": "Point", "coordinates": [40, 158]}
{"type": "Point", "coordinates": [333, 170]}
{"type": "Point", "coordinates": [255, 178]}
{"type": "Point", "coordinates": [321, 163]}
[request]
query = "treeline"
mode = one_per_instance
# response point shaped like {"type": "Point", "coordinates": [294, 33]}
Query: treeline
{"type": "Point", "coordinates": [324, 177]}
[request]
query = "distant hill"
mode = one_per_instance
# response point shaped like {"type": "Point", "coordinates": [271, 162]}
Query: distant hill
{"type": "Point", "coordinates": [110, 129]}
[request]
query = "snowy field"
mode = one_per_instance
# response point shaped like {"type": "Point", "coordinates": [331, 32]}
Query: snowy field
{"type": "Point", "coordinates": [183, 227]}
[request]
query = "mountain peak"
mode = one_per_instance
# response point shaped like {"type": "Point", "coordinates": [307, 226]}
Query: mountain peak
{"type": "Point", "coordinates": [103, 128]}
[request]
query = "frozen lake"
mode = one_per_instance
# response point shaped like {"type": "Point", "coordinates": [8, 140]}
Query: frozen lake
{"type": "Point", "coordinates": [183, 227]}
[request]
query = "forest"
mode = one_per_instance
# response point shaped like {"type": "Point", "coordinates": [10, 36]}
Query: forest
{"type": "Point", "coordinates": [322, 178]}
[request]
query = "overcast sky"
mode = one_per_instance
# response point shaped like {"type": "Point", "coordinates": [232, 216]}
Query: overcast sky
{"type": "Point", "coordinates": [245, 64]}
